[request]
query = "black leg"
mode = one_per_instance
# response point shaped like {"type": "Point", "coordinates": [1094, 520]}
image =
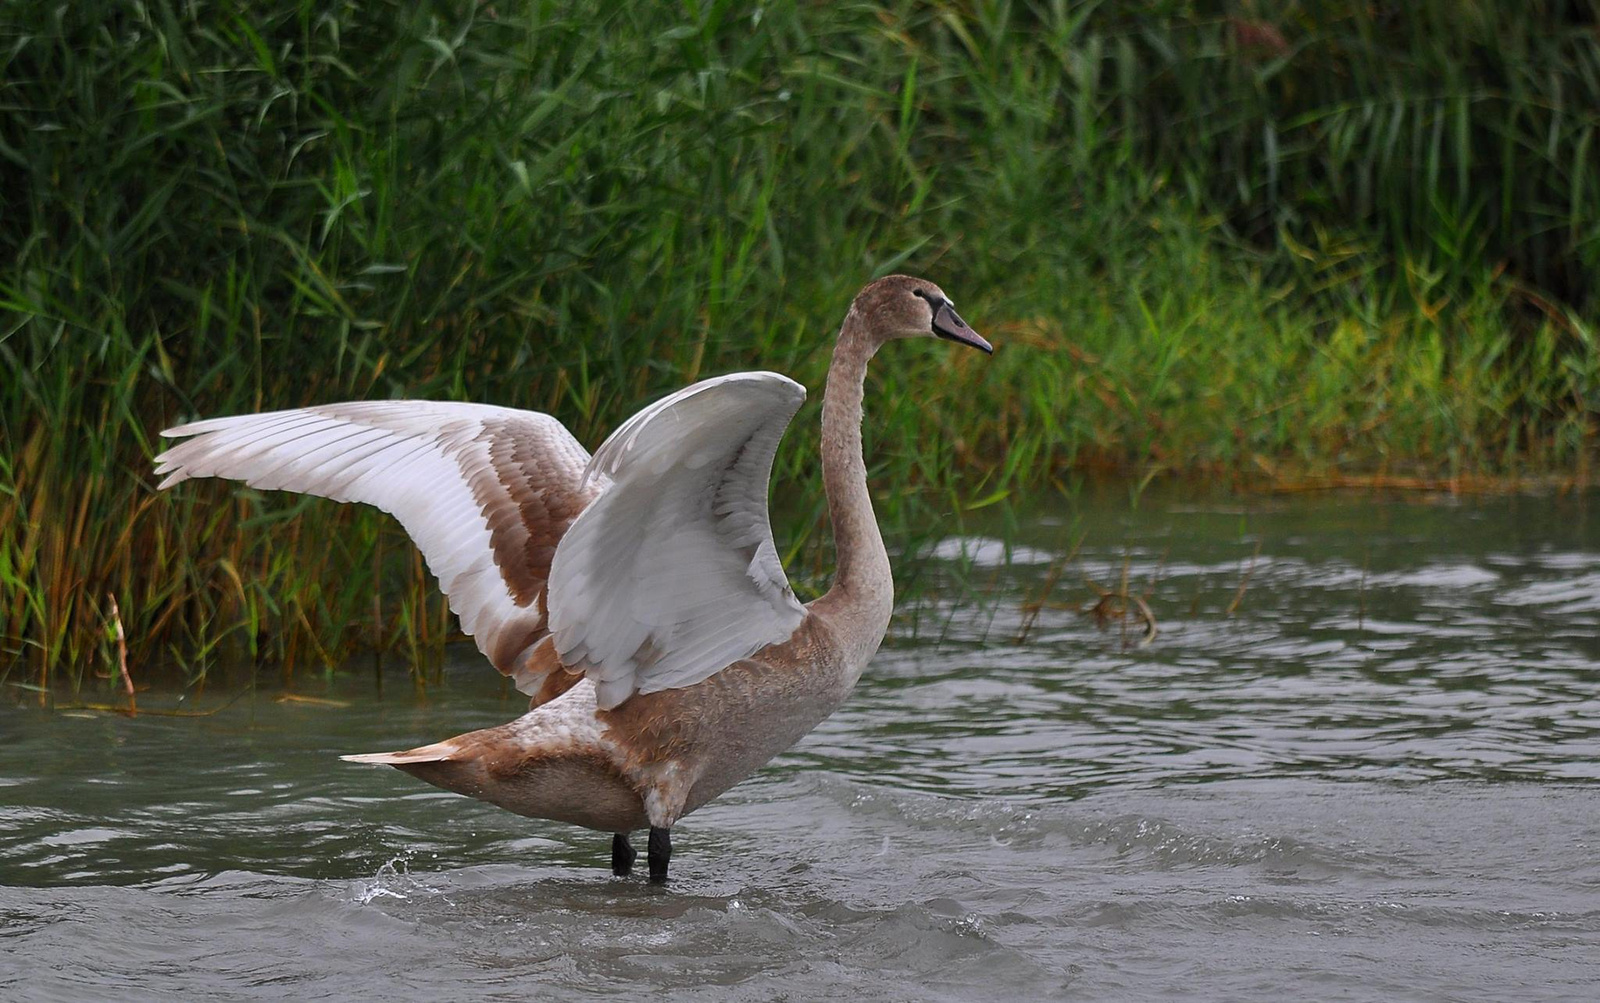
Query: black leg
{"type": "Point", "coordinates": [622, 854]}
{"type": "Point", "coordinates": [660, 853]}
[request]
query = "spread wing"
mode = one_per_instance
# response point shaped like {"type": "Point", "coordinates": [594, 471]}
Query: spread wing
{"type": "Point", "coordinates": [485, 492]}
{"type": "Point", "coordinates": [671, 574]}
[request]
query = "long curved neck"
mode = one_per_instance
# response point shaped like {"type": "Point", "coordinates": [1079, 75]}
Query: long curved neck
{"type": "Point", "coordinates": [863, 581]}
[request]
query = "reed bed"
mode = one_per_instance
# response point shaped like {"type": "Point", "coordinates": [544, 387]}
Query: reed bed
{"type": "Point", "coordinates": [1356, 237]}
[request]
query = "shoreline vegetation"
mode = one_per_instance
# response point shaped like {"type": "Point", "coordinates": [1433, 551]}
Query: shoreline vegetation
{"type": "Point", "coordinates": [1354, 245]}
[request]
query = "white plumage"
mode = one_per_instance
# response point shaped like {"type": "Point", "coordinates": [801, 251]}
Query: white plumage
{"type": "Point", "coordinates": [671, 574]}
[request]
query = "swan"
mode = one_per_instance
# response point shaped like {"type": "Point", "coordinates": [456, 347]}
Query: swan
{"type": "Point", "coordinates": [636, 594]}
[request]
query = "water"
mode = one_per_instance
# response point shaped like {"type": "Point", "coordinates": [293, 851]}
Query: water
{"type": "Point", "coordinates": [1375, 779]}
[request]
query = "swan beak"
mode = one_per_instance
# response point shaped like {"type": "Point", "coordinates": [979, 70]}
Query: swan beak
{"type": "Point", "coordinates": [947, 324]}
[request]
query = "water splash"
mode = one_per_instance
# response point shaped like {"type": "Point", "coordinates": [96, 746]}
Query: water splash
{"type": "Point", "coordinates": [393, 880]}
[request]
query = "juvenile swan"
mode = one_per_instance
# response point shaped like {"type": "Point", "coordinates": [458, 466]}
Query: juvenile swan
{"type": "Point", "coordinates": [636, 594]}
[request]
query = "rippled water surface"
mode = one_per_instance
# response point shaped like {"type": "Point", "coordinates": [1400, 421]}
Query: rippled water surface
{"type": "Point", "coordinates": [1359, 761]}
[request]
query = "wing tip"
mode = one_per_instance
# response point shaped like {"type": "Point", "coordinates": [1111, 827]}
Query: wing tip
{"type": "Point", "coordinates": [170, 466]}
{"type": "Point", "coordinates": [201, 426]}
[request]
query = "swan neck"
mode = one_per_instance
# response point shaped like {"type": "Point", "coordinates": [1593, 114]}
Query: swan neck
{"type": "Point", "coordinates": [863, 574]}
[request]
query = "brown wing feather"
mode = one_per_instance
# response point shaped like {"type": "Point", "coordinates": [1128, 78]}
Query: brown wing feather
{"type": "Point", "coordinates": [485, 492]}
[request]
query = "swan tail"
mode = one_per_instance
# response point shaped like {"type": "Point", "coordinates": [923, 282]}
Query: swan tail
{"type": "Point", "coordinates": [439, 752]}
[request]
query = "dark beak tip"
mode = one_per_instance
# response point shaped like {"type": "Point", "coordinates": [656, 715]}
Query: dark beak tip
{"type": "Point", "coordinates": [948, 324]}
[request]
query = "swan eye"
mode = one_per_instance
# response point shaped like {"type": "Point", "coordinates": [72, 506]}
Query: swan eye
{"type": "Point", "coordinates": [934, 302]}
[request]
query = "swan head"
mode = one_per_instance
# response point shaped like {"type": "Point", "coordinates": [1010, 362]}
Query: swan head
{"type": "Point", "coordinates": [903, 306]}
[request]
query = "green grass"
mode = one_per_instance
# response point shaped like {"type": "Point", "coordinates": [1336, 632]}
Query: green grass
{"type": "Point", "coordinates": [1363, 237]}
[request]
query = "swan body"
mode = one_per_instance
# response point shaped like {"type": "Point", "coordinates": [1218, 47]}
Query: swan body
{"type": "Point", "coordinates": [636, 594]}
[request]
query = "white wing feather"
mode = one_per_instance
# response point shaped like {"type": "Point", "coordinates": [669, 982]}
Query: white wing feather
{"type": "Point", "coordinates": [485, 492]}
{"type": "Point", "coordinates": [671, 574]}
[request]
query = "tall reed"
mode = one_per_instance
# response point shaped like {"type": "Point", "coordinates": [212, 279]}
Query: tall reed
{"type": "Point", "coordinates": [1359, 234]}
